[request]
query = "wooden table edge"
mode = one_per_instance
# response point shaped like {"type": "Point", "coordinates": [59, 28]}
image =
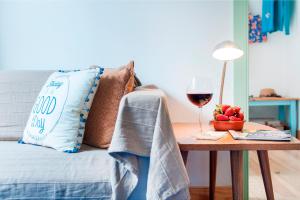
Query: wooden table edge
{"type": "Point", "coordinates": [239, 147]}
{"type": "Point", "coordinates": [187, 143]}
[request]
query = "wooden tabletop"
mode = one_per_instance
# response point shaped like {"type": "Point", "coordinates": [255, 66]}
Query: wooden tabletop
{"type": "Point", "coordinates": [187, 142]}
{"type": "Point", "coordinates": [274, 99]}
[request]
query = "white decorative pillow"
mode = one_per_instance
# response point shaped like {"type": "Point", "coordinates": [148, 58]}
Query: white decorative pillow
{"type": "Point", "coordinates": [59, 114]}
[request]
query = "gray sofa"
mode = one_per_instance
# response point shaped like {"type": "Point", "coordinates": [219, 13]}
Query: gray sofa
{"type": "Point", "coordinates": [34, 172]}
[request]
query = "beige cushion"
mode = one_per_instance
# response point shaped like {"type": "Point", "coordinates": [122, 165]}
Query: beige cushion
{"type": "Point", "coordinates": [114, 84]}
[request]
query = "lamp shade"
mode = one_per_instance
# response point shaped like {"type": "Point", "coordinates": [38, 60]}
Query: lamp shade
{"type": "Point", "coordinates": [226, 51]}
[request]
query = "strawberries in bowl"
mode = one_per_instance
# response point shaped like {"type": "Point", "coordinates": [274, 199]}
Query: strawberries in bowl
{"type": "Point", "coordinates": [228, 117]}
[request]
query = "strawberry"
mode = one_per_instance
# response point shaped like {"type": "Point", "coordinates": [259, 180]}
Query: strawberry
{"type": "Point", "coordinates": [236, 109]}
{"type": "Point", "coordinates": [221, 117]}
{"type": "Point", "coordinates": [215, 114]}
{"type": "Point", "coordinates": [218, 109]}
{"type": "Point", "coordinates": [233, 118]}
{"type": "Point", "coordinates": [225, 107]}
{"type": "Point", "coordinates": [229, 112]}
{"type": "Point", "coordinates": [241, 115]}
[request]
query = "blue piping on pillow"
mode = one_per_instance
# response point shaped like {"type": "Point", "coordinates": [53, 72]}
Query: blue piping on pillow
{"type": "Point", "coordinates": [20, 141]}
{"type": "Point", "coordinates": [83, 118]}
{"type": "Point", "coordinates": [75, 150]}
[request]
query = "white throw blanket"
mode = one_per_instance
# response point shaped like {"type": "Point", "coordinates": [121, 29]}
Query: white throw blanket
{"type": "Point", "coordinates": [143, 129]}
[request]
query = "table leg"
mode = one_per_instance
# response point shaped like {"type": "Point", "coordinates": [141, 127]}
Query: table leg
{"type": "Point", "coordinates": [266, 173]}
{"type": "Point", "coordinates": [281, 113]}
{"type": "Point", "coordinates": [213, 155]}
{"type": "Point", "coordinates": [184, 155]}
{"type": "Point", "coordinates": [293, 117]}
{"type": "Point", "coordinates": [236, 159]}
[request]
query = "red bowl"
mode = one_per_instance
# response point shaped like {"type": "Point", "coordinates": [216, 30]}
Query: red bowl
{"type": "Point", "coordinates": [228, 125]}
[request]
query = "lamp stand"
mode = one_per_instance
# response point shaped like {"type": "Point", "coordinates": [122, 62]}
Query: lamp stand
{"type": "Point", "coordinates": [222, 82]}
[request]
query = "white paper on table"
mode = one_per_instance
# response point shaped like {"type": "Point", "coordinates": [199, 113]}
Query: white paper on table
{"type": "Point", "coordinates": [210, 135]}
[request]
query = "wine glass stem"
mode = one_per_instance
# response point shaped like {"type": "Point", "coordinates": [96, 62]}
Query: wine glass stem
{"type": "Point", "coordinates": [199, 120]}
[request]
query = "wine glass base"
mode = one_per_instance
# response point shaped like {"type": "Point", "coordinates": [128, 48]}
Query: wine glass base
{"type": "Point", "coordinates": [209, 135]}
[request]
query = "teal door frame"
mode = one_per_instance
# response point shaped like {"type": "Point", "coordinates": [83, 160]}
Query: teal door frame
{"type": "Point", "coordinates": [241, 72]}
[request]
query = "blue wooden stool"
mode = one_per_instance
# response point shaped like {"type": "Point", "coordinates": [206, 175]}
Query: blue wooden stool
{"type": "Point", "coordinates": [282, 103]}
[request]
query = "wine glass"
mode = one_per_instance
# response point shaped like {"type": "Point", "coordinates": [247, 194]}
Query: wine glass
{"type": "Point", "coordinates": [199, 92]}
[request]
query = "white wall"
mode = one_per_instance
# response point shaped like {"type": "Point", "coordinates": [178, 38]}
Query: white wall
{"type": "Point", "coordinates": [170, 41]}
{"type": "Point", "coordinates": [276, 63]}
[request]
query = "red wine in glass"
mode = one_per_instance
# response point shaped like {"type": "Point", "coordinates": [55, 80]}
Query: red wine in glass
{"type": "Point", "coordinates": [199, 93]}
{"type": "Point", "coordinates": [199, 99]}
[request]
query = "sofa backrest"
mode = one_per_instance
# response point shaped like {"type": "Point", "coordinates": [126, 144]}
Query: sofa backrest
{"type": "Point", "coordinates": [18, 91]}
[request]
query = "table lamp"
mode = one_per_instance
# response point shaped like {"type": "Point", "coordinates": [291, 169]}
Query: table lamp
{"type": "Point", "coordinates": [226, 51]}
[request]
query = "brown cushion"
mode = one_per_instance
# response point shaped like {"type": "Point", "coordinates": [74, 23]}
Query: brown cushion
{"type": "Point", "coordinates": [114, 84]}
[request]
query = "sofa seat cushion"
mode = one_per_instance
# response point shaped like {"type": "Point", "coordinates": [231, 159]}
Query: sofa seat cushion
{"type": "Point", "coordinates": [34, 172]}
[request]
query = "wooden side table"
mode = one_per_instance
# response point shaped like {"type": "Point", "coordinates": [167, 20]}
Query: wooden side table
{"type": "Point", "coordinates": [184, 131]}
